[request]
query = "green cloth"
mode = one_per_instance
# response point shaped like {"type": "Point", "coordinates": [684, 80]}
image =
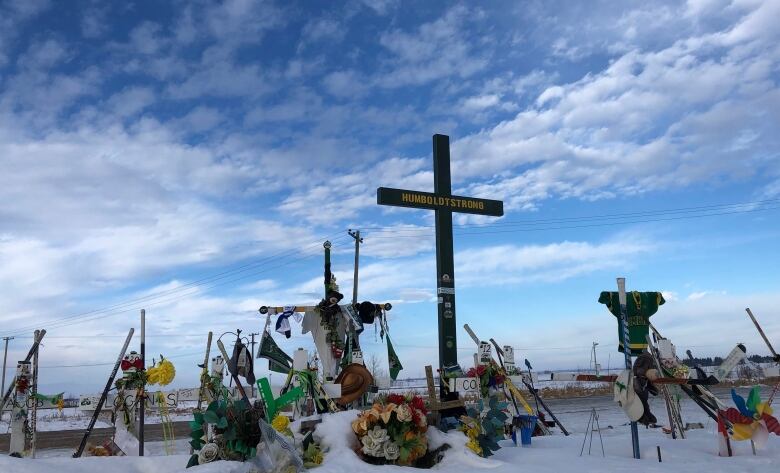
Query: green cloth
{"type": "Point", "coordinates": [640, 306]}
{"type": "Point", "coordinates": [278, 360]}
{"type": "Point", "coordinates": [393, 361]}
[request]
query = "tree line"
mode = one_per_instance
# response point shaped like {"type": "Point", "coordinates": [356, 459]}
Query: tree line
{"type": "Point", "coordinates": [716, 361]}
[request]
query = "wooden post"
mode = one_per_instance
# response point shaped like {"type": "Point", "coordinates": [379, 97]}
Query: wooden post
{"type": "Point", "coordinates": [433, 401]}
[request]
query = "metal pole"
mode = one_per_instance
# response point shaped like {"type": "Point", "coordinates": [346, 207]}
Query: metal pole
{"type": "Point", "coordinates": [621, 282]}
{"type": "Point", "coordinates": [142, 403]}
{"type": "Point", "coordinates": [5, 358]}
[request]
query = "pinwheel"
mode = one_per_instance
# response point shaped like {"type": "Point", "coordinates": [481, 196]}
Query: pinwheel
{"type": "Point", "coordinates": [752, 419]}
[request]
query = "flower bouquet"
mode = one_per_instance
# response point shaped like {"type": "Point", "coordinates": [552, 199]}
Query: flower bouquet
{"type": "Point", "coordinates": [490, 376]}
{"type": "Point", "coordinates": [393, 431]}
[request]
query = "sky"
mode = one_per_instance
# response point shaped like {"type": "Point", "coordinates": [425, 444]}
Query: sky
{"type": "Point", "coordinates": [190, 158]}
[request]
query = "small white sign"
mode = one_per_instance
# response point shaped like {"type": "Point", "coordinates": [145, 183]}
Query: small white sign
{"type": "Point", "coordinates": [484, 353]}
{"type": "Point", "coordinates": [465, 386]}
{"type": "Point", "coordinates": [509, 355]}
{"type": "Point", "coordinates": [446, 290]}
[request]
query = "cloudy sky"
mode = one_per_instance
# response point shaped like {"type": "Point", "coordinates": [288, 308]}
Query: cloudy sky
{"type": "Point", "coordinates": [191, 157]}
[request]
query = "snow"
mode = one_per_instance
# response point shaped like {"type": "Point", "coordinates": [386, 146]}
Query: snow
{"type": "Point", "coordinates": [555, 453]}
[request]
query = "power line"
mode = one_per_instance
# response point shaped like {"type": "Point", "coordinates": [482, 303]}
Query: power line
{"type": "Point", "coordinates": [420, 230]}
{"type": "Point", "coordinates": [705, 210]}
{"type": "Point", "coordinates": [187, 289]}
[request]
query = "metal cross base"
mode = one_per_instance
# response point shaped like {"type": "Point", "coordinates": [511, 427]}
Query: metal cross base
{"type": "Point", "coordinates": [593, 420]}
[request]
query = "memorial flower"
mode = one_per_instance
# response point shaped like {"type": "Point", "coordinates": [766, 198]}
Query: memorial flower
{"type": "Point", "coordinates": [393, 431]}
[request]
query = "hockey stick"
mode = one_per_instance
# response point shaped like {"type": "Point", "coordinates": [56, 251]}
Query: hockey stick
{"type": "Point", "coordinates": [240, 387]}
{"type": "Point", "coordinates": [539, 399]}
{"type": "Point", "coordinates": [675, 420]}
{"type": "Point", "coordinates": [103, 396]}
{"type": "Point", "coordinates": [771, 350]}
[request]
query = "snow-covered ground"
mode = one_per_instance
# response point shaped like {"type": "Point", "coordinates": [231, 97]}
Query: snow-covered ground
{"type": "Point", "coordinates": [547, 454]}
{"type": "Point", "coordinates": [554, 454]}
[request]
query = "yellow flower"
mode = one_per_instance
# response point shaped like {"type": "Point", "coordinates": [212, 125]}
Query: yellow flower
{"type": "Point", "coordinates": [162, 373]}
{"type": "Point", "coordinates": [387, 411]}
{"type": "Point", "coordinates": [281, 423]}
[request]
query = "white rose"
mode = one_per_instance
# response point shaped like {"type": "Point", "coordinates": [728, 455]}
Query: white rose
{"type": "Point", "coordinates": [403, 413]}
{"type": "Point", "coordinates": [391, 450]}
{"type": "Point", "coordinates": [378, 435]}
{"type": "Point", "coordinates": [208, 453]}
{"type": "Point", "coordinates": [369, 446]}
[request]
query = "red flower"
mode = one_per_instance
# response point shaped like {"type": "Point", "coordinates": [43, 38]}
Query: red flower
{"type": "Point", "coordinates": [419, 404]}
{"type": "Point", "coordinates": [396, 399]}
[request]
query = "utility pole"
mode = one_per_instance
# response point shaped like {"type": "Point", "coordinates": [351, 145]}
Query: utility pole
{"type": "Point", "coordinates": [5, 357]}
{"type": "Point", "coordinates": [142, 402]}
{"type": "Point", "coordinates": [253, 357]}
{"type": "Point", "coordinates": [595, 363]}
{"type": "Point", "coordinates": [358, 241]}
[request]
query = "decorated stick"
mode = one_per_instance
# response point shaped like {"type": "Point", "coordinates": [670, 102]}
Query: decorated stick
{"type": "Point", "coordinates": [103, 396]}
{"type": "Point", "coordinates": [34, 413]}
{"type": "Point", "coordinates": [205, 372]}
{"type": "Point", "coordinates": [33, 349]}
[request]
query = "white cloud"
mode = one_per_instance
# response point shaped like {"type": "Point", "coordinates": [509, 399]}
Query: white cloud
{"type": "Point", "coordinates": [436, 50]}
{"type": "Point", "coordinates": [345, 84]}
{"type": "Point", "coordinates": [321, 30]}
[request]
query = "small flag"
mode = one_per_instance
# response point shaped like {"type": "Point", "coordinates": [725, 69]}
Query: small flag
{"type": "Point", "coordinates": [278, 360]}
{"type": "Point", "coordinates": [393, 361]}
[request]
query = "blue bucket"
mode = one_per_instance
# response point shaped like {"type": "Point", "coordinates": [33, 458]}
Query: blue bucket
{"type": "Point", "coordinates": [526, 424]}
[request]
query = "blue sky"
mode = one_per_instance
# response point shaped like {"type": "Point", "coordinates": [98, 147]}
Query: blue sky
{"type": "Point", "coordinates": [146, 146]}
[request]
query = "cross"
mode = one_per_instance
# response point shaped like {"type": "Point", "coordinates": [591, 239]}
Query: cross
{"type": "Point", "coordinates": [443, 203]}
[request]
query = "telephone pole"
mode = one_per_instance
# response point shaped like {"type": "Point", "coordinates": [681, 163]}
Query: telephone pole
{"type": "Point", "coordinates": [358, 241]}
{"type": "Point", "coordinates": [253, 356]}
{"type": "Point", "coordinates": [5, 357]}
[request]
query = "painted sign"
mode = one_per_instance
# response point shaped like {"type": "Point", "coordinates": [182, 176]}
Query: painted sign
{"type": "Point", "coordinates": [428, 200]}
{"type": "Point", "coordinates": [465, 386]}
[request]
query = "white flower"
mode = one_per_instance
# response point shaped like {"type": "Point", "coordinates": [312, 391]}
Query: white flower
{"type": "Point", "coordinates": [391, 450]}
{"type": "Point", "coordinates": [403, 413]}
{"type": "Point", "coordinates": [378, 435]}
{"type": "Point", "coordinates": [370, 447]}
{"type": "Point", "coordinates": [208, 453]}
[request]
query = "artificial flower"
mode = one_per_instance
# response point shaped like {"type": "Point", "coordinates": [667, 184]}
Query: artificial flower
{"type": "Point", "coordinates": [162, 373]}
{"type": "Point", "coordinates": [391, 450]}
{"type": "Point", "coordinates": [396, 399]}
{"type": "Point", "coordinates": [370, 447]}
{"type": "Point", "coordinates": [378, 434]}
{"type": "Point", "coordinates": [386, 412]}
{"type": "Point", "coordinates": [208, 453]}
{"type": "Point", "coordinates": [403, 413]}
{"type": "Point", "coordinates": [281, 423]}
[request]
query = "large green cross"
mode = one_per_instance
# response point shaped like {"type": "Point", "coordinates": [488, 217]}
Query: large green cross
{"type": "Point", "coordinates": [443, 203]}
